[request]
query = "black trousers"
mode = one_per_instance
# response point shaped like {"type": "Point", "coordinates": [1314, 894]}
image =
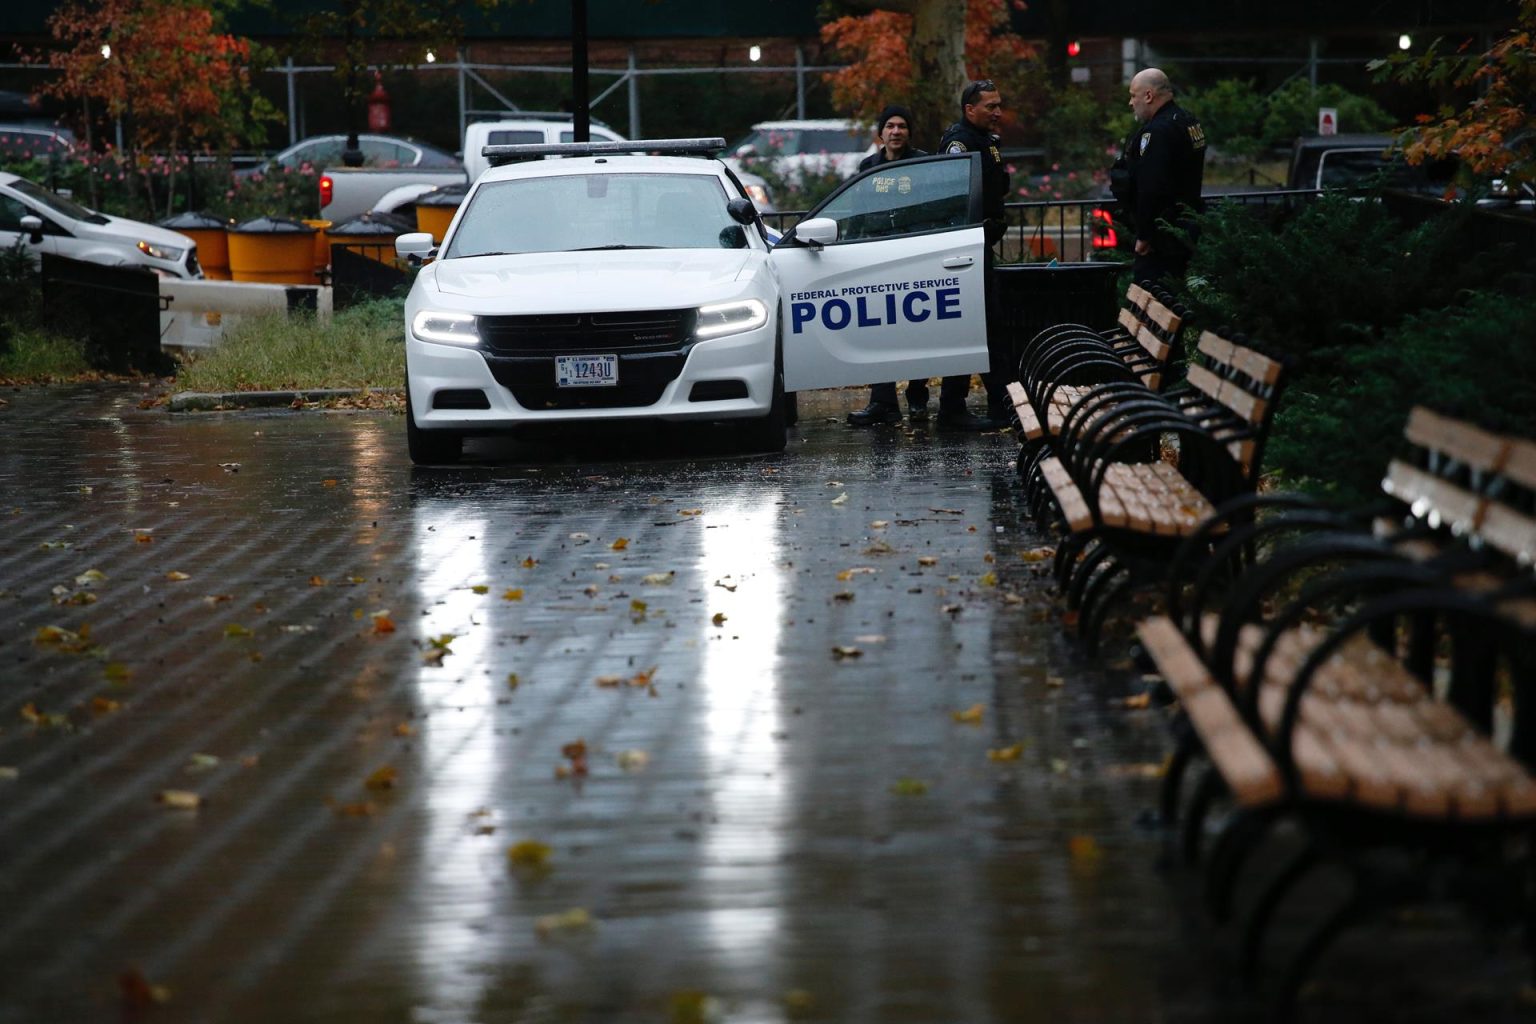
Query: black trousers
{"type": "Point", "coordinates": [952, 390]}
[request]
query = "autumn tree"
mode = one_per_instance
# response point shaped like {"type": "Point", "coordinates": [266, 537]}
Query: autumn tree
{"type": "Point", "coordinates": [165, 71]}
{"type": "Point", "coordinates": [921, 52]}
{"type": "Point", "coordinates": [1493, 135]}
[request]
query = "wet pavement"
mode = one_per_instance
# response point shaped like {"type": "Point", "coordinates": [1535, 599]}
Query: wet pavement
{"type": "Point", "coordinates": [621, 729]}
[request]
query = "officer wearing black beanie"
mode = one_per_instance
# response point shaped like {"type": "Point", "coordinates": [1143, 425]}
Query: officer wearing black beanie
{"type": "Point", "coordinates": [894, 127]}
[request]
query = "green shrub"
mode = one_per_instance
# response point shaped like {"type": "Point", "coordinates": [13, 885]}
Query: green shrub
{"type": "Point", "coordinates": [1474, 360]}
{"type": "Point", "coordinates": [1292, 111]}
{"type": "Point", "coordinates": [1232, 114]}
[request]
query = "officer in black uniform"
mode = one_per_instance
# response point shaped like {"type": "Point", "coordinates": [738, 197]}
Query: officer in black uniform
{"type": "Point", "coordinates": [894, 127]}
{"type": "Point", "coordinates": [1164, 165]}
{"type": "Point", "coordinates": [982, 107]}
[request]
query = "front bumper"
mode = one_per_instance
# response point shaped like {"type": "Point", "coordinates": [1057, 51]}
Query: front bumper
{"type": "Point", "coordinates": [720, 378]}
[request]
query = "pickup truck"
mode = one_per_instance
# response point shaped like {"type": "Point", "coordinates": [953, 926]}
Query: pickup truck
{"type": "Point", "coordinates": [347, 192]}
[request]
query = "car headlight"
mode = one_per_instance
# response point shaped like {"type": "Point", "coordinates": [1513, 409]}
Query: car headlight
{"type": "Point", "coordinates": [759, 196]}
{"type": "Point", "coordinates": [161, 252]}
{"type": "Point", "coordinates": [730, 318]}
{"type": "Point", "coordinates": [448, 328]}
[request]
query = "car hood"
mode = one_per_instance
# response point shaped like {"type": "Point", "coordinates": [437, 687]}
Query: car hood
{"type": "Point", "coordinates": [120, 229]}
{"type": "Point", "coordinates": [622, 279]}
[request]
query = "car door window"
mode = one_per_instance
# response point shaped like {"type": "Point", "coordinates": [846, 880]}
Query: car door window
{"type": "Point", "coordinates": [320, 153]}
{"type": "Point", "coordinates": [905, 198]}
{"type": "Point", "coordinates": [11, 212]}
{"type": "Point", "coordinates": [381, 153]}
{"type": "Point", "coordinates": [511, 137]}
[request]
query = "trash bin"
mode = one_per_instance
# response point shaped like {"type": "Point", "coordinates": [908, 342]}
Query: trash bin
{"type": "Point", "coordinates": [1034, 296]}
{"type": "Point", "coordinates": [322, 243]}
{"type": "Point", "coordinates": [272, 250]}
{"type": "Point", "coordinates": [371, 235]}
{"type": "Point", "coordinates": [435, 209]}
{"type": "Point", "coordinates": [208, 232]}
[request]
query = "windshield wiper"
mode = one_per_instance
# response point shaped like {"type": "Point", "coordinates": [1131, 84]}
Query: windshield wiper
{"type": "Point", "coordinates": [596, 248]}
{"type": "Point", "coordinates": [472, 255]}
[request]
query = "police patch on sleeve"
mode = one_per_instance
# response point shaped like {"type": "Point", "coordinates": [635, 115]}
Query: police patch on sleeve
{"type": "Point", "coordinates": [956, 147]}
{"type": "Point", "coordinates": [1146, 137]}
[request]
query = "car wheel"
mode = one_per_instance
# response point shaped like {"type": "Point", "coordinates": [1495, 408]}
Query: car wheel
{"type": "Point", "coordinates": [766, 433]}
{"type": "Point", "coordinates": [430, 446]}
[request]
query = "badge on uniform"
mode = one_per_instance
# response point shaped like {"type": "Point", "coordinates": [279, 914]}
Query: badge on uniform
{"type": "Point", "coordinates": [1146, 137]}
{"type": "Point", "coordinates": [956, 147]}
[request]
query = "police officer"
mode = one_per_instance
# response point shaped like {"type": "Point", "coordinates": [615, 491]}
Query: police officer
{"type": "Point", "coordinates": [1165, 161]}
{"type": "Point", "coordinates": [894, 128]}
{"type": "Point", "coordinates": [981, 107]}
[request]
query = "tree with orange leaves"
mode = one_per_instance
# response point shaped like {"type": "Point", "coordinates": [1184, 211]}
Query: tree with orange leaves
{"type": "Point", "coordinates": [164, 70]}
{"type": "Point", "coordinates": [921, 52]}
{"type": "Point", "coordinates": [1494, 135]}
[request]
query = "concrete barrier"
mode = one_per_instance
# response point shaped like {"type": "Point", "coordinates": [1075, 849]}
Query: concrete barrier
{"type": "Point", "coordinates": [197, 313]}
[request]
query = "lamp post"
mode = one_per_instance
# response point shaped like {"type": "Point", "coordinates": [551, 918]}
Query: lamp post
{"type": "Point", "coordinates": [581, 111]}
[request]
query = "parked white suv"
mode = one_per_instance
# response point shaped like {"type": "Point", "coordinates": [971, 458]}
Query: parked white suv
{"type": "Point", "coordinates": [43, 221]}
{"type": "Point", "coordinates": [797, 148]}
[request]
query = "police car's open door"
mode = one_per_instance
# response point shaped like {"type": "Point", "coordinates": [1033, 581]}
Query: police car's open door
{"type": "Point", "coordinates": [885, 280]}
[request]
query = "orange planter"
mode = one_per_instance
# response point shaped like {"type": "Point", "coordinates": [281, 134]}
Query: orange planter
{"type": "Point", "coordinates": [207, 232]}
{"type": "Point", "coordinates": [272, 251]}
{"type": "Point", "coordinates": [435, 219]}
{"type": "Point", "coordinates": [371, 235]}
{"type": "Point", "coordinates": [322, 243]}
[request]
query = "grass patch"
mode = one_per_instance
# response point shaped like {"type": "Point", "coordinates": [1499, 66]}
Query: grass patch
{"type": "Point", "coordinates": [361, 347]}
{"type": "Point", "coordinates": [34, 355]}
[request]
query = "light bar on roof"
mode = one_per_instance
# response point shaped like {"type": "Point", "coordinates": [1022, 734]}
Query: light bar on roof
{"type": "Point", "coordinates": [499, 155]}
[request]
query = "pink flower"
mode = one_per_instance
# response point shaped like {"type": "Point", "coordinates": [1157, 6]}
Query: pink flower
{"type": "Point", "coordinates": [1012, 169]}
{"type": "Point", "coordinates": [1055, 167]}
{"type": "Point", "coordinates": [1045, 179]}
{"type": "Point", "coordinates": [230, 194]}
{"type": "Point", "coordinates": [1071, 175]}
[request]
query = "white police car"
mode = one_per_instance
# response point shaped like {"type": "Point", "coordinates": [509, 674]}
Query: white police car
{"type": "Point", "coordinates": [610, 286]}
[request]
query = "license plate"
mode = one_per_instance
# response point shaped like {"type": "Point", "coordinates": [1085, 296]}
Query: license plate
{"type": "Point", "coordinates": [586, 371]}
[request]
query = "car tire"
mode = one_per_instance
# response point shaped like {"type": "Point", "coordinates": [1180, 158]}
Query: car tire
{"type": "Point", "coordinates": [429, 447]}
{"type": "Point", "coordinates": [766, 433]}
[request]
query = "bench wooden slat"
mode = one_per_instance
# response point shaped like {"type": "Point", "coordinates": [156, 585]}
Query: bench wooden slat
{"type": "Point", "coordinates": [1138, 296]}
{"type": "Point", "coordinates": [1461, 441]}
{"type": "Point", "coordinates": [1073, 508]}
{"type": "Point", "coordinates": [1520, 463]}
{"type": "Point", "coordinates": [1164, 317]}
{"type": "Point", "coordinates": [1455, 506]}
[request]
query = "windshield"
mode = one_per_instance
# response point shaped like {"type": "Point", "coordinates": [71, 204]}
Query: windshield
{"type": "Point", "coordinates": [57, 203]}
{"type": "Point", "coordinates": [570, 212]}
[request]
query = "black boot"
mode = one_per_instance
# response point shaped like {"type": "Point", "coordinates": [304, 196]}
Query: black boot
{"type": "Point", "coordinates": [963, 419]}
{"type": "Point", "coordinates": [874, 414]}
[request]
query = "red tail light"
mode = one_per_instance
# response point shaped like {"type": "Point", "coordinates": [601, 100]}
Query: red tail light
{"type": "Point", "coordinates": [327, 190]}
{"type": "Point", "coordinates": [1103, 227]}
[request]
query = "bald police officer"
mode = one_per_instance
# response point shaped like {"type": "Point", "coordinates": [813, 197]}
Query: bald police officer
{"type": "Point", "coordinates": [1165, 161]}
{"type": "Point", "coordinates": [981, 107]}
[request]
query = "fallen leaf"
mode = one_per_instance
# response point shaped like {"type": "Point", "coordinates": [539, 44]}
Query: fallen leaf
{"type": "Point", "coordinates": [971, 715]}
{"type": "Point", "coordinates": [879, 524]}
{"type": "Point", "coordinates": [726, 583]}
{"type": "Point", "coordinates": [690, 511]}
{"type": "Point", "coordinates": [136, 995]}
{"type": "Point", "coordinates": [951, 609]}
{"type": "Point", "coordinates": [657, 579]}
{"type": "Point", "coordinates": [1059, 766]}
{"type": "Point", "coordinates": [530, 853]}
{"type": "Point", "coordinates": [846, 652]}
{"type": "Point", "coordinates": [143, 537]}
{"type": "Point", "coordinates": [530, 562]}
{"type": "Point", "coordinates": [179, 799]}
{"type": "Point", "coordinates": [1084, 850]}
{"type": "Point", "coordinates": [609, 681]}
{"type": "Point", "coordinates": [718, 618]}
{"type": "Point", "coordinates": [1012, 753]}
{"type": "Point", "coordinates": [1137, 702]}
{"type": "Point", "coordinates": [354, 809]}
{"type": "Point", "coordinates": [927, 560]}
{"type": "Point", "coordinates": [515, 594]}
{"type": "Point", "coordinates": [512, 681]}
{"type": "Point", "coordinates": [988, 579]}
{"type": "Point", "coordinates": [1055, 682]}
{"type": "Point", "coordinates": [230, 467]}
{"type": "Point", "coordinates": [841, 499]}
{"type": "Point", "coordinates": [844, 596]}
{"type": "Point", "coordinates": [382, 623]}
{"type": "Point", "coordinates": [212, 600]}
{"type": "Point", "coordinates": [328, 483]}
{"type": "Point", "coordinates": [434, 656]}
{"type": "Point", "coordinates": [590, 590]}
{"type": "Point", "coordinates": [176, 577]}
{"type": "Point", "coordinates": [201, 763]}
{"type": "Point", "coordinates": [909, 787]}
{"type": "Point", "coordinates": [480, 588]}
{"type": "Point", "coordinates": [382, 777]}
{"type": "Point", "coordinates": [693, 1007]}
{"type": "Point", "coordinates": [620, 544]}
{"type": "Point", "coordinates": [317, 581]}
{"type": "Point", "coordinates": [235, 630]}
{"type": "Point", "coordinates": [949, 511]}
{"type": "Point", "coordinates": [633, 760]}
{"type": "Point", "coordinates": [581, 538]}
{"type": "Point", "coordinates": [104, 705]}
{"type": "Point", "coordinates": [1144, 770]}
{"type": "Point", "coordinates": [1038, 555]}
{"type": "Point", "coordinates": [573, 920]}
{"type": "Point", "coordinates": [90, 577]}
{"type": "Point", "coordinates": [9, 773]}
{"type": "Point", "coordinates": [116, 672]}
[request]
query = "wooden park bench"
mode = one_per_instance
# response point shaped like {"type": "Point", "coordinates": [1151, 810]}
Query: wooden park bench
{"type": "Point", "coordinates": [1376, 734]}
{"type": "Point", "coordinates": [1063, 363]}
{"type": "Point", "coordinates": [1108, 478]}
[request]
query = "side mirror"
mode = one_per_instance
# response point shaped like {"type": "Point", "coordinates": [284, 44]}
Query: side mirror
{"type": "Point", "coordinates": [415, 247]}
{"type": "Point", "coordinates": [33, 226]}
{"type": "Point", "coordinates": [742, 211]}
{"type": "Point", "coordinates": [817, 232]}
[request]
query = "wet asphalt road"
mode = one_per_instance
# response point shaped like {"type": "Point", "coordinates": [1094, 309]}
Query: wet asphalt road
{"type": "Point", "coordinates": [371, 679]}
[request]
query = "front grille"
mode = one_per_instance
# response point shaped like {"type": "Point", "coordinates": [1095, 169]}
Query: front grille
{"type": "Point", "coordinates": [548, 334]}
{"type": "Point", "coordinates": [642, 379]}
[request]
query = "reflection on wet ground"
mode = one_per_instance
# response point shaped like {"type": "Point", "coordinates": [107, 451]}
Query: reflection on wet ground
{"type": "Point", "coordinates": [709, 702]}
